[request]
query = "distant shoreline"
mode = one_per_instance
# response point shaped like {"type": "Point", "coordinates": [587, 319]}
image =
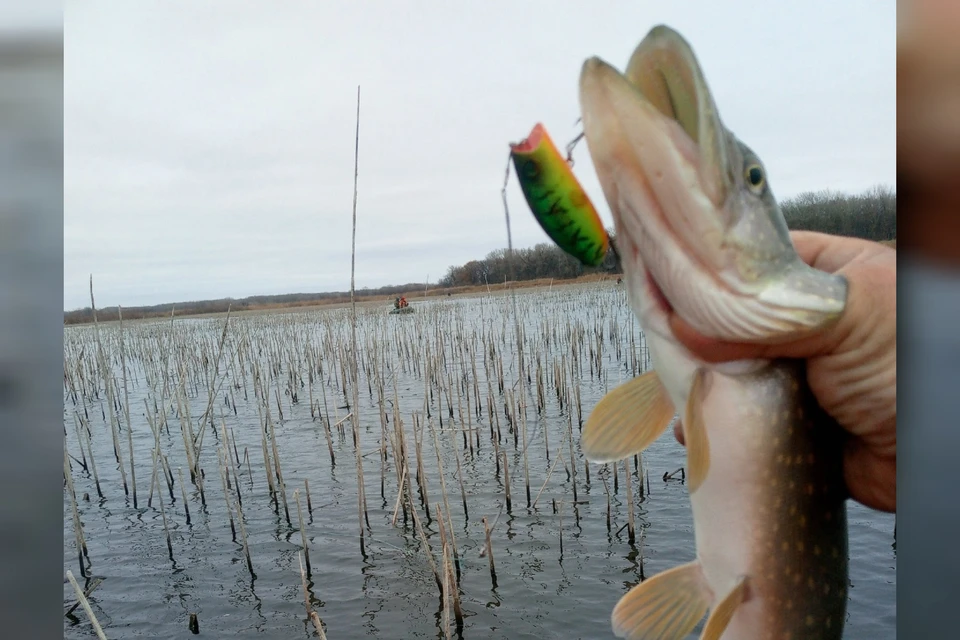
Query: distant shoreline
{"type": "Point", "coordinates": [371, 301]}
{"type": "Point", "coordinates": [413, 296]}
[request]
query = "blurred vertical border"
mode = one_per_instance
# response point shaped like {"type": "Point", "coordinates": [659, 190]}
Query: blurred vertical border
{"type": "Point", "coordinates": [31, 294]}
{"type": "Point", "coordinates": [31, 318]}
{"type": "Point", "coordinates": [928, 299]}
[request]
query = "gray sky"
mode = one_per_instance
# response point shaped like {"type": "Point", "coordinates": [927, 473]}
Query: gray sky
{"type": "Point", "coordinates": [209, 145]}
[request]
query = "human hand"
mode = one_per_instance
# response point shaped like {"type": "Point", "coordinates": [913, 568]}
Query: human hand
{"type": "Point", "coordinates": [851, 365]}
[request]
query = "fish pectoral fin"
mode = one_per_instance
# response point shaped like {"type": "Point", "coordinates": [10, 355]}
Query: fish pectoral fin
{"type": "Point", "coordinates": [695, 433]}
{"type": "Point", "coordinates": [721, 614]}
{"type": "Point", "coordinates": [627, 420]}
{"type": "Point", "coordinates": [666, 607]}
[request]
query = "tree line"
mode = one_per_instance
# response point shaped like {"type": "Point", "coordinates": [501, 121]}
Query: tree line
{"type": "Point", "coordinates": [871, 215]}
{"type": "Point", "coordinates": [544, 260]}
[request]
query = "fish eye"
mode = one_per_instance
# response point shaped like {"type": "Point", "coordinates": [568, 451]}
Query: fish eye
{"type": "Point", "coordinates": [755, 178]}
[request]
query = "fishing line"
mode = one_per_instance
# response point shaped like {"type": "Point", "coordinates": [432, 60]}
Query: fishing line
{"type": "Point", "coordinates": [513, 301]}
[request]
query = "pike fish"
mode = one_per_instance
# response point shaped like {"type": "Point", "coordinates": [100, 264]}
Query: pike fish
{"type": "Point", "coordinates": [699, 232]}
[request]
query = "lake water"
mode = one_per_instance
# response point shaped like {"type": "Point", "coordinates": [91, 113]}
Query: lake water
{"type": "Point", "coordinates": [584, 337]}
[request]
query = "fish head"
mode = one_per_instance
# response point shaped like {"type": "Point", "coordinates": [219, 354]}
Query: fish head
{"type": "Point", "coordinates": [698, 228]}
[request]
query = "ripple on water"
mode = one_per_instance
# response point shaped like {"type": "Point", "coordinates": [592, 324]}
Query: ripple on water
{"type": "Point", "coordinates": [392, 593]}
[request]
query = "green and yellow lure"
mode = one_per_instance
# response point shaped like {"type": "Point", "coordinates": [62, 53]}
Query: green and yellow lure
{"type": "Point", "coordinates": [557, 200]}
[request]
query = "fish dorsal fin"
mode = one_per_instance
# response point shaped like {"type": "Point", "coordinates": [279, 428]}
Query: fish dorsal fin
{"type": "Point", "coordinates": [627, 420]}
{"type": "Point", "coordinates": [721, 614]}
{"type": "Point", "coordinates": [695, 433]}
{"type": "Point", "coordinates": [666, 607]}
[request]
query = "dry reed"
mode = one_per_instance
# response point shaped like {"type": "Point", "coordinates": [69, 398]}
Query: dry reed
{"type": "Point", "coordinates": [86, 606]}
{"type": "Point", "coordinates": [520, 363]}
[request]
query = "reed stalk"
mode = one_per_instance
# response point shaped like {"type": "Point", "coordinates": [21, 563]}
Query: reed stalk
{"type": "Point", "coordinates": [93, 463]}
{"type": "Point", "coordinates": [183, 490]}
{"type": "Point", "coordinates": [108, 388]}
{"type": "Point", "coordinates": [631, 534]}
{"type": "Point", "coordinates": [226, 495]}
{"type": "Point", "coordinates": [86, 606]}
{"type": "Point", "coordinates": [77, 526]}
{"type": "Point", "coordinates": [126, 410]}
{"type": "Point", "coordinates": [166, 528]}
{"type": "Point", "coordinates": [303, 534]}
{"type": "Point", "coordinates": [303, 581]}
{"type": "Point", "coordinates": [506, 483]}
{"type": "Point", "coordinates": [489, 549]}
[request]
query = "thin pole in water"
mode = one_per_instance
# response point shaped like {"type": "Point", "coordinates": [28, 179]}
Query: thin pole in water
{"type": "Point", "coordinates": [361, 497]}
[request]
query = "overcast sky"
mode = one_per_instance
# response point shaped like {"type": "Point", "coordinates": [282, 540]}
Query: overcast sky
{"type": "Point", "coordinates": [209, 145]}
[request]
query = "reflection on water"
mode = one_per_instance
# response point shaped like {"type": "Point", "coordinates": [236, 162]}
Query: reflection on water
{"type": "Point", "coordinates": [581, 339]}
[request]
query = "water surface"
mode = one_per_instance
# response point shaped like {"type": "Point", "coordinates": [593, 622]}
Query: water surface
{"type": "Point", "coordinates": [389, 591]}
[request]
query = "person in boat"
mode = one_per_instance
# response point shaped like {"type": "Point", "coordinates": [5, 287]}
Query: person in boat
{"type": "Point", "coordinates": [403, 302]}
{"type": "Point", "coordinates": [396, 303]}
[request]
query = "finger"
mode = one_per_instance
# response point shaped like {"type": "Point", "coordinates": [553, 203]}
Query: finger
{"type": "Point", "coordinates": [870, 478]}
{"type": "Point", "coordinates": [828, 252]}
{"type": "Point", "coordinates": [821, 250]}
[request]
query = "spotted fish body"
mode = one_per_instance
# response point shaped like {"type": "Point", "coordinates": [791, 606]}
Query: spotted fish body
{"type": "Point", "coordinates": [772, 505]}
{"type": "Point", "coordinates": [558, 202]}
{"type": "Point", "coordinates": [700, 233]}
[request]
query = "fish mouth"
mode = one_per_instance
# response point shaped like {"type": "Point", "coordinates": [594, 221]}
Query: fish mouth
{"type": "Point", "coordinates": [664, 70]}
{"type": "Point", "coordinates": [697, 226]}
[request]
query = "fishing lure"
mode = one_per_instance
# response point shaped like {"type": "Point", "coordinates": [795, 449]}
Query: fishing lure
{"type": "Point", "coordinates": [558, 202]}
